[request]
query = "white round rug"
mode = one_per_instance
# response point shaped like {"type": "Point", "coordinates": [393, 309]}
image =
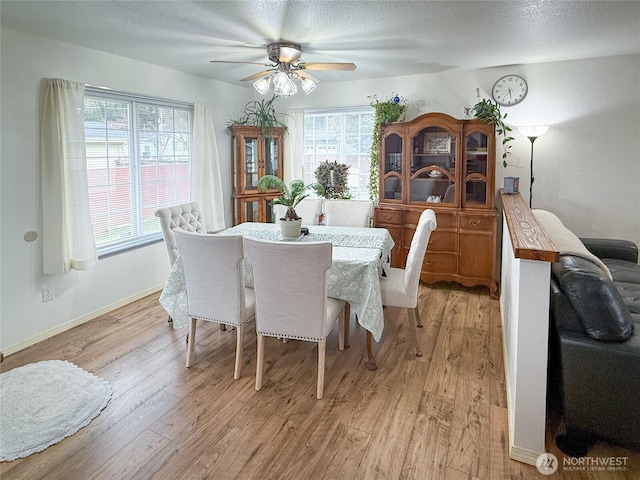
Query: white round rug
{"type": "Point", "coordinates": [42, 403]}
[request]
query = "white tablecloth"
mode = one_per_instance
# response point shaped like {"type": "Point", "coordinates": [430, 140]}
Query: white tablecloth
{"type": "Point", "coordinates": [359, 255]}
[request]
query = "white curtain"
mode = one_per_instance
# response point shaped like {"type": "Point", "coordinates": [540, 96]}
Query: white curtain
{"type": "Point", "coordinates": [294, 145]}
{"type": "Point", "coordinates": [206, 180]}
{"type": "Point", "coordinates": [67, 234]}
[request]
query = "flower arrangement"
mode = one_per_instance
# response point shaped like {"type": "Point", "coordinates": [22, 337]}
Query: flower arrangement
{"type": "Point", "coordinates": [391, 109]}
{"type": "Point", "coordinates": [333, 176]}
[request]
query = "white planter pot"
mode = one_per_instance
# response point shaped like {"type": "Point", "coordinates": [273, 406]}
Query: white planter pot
{"type": "Point", "coordinates": [290, 228]}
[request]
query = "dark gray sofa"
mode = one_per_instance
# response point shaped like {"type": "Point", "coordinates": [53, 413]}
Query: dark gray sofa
{"type": "Point", "coordinates": [594, 346]}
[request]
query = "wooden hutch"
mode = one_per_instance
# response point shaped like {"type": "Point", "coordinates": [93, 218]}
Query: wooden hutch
{"type": "Point", "coordinates": [254, 154]}
{"type": "Point", "coordinates": [439, 162]}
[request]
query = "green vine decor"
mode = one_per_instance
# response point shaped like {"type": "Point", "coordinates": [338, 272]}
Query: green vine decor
{"type": "Point", "coordinates": [389, 110]}
{"type": "Point", "coordinates": [488, 112]}
{"type": "Point", "coordinates": [333, 176]}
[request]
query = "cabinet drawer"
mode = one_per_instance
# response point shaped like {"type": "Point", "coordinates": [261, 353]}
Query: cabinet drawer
{"type": "Point", "coordinates": [444, 220]}
{"type": "Point", "coordinates": [388, 216]}
{"type": "Point", "coordinates": [438, 241]}
{"type": "Point", "coordinates": [442, 242]}
{"type": "Point", "coordinates": [440, 263]}
{"type": "Point", "coordinates": [475, 222]}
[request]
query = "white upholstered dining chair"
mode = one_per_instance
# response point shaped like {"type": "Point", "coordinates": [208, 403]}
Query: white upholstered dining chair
{"type": "Point", "coordinates": [216, 292]}
{"type": "Point", "coordinates": [309, 209]}
{"type": "Point", "coordinates": [186, 216]}
{"type": "Point", "coordinates": [400, 286]}
{"type": "Point", "coordinates": [304, 312]}
{"type": "Point", "coordinates": [348, 213]}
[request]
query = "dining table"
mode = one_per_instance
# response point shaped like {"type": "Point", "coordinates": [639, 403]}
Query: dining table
{"type": "Point", "coordinates": [359, 258]}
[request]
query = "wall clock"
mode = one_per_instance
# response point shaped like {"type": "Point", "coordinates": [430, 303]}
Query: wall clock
{"type": "Point", "coordinates": [509, 90]}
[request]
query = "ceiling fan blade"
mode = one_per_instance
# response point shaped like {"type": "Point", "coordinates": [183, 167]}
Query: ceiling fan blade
{"type": "Point", "coordinates": [255, 76]}
{"type": "Point", "coordinates": [328, 66]}
{"type": "Point", "coordinates": [244, 63]}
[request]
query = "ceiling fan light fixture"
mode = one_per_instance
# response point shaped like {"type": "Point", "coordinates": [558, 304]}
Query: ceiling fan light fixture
{"type": "Point", "coordinates": [307, 85]}
{"type": "Point", "coordinates": [283, 85]}
{"type": "Point", "coordinates": [262, 85]}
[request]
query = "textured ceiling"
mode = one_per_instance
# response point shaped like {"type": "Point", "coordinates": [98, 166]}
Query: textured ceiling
{"type": "Point", "coordinates": [383, 38]}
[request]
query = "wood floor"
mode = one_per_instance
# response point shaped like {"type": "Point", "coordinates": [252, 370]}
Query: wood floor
{"type": "Point", "coordinates": [441, 416]}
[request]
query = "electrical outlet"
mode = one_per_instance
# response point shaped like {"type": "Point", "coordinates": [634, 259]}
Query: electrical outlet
{"type": "Point", "coordinates": [48, 294]}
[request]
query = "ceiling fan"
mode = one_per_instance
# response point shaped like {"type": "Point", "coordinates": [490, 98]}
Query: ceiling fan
{"type": "Point", "coordinates": [286, 67]}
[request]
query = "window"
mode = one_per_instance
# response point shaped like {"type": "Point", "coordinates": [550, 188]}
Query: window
{"type": "Point", "coordinates": [138, 159]}
{"type": "Point", "coordinates": [344, 136]}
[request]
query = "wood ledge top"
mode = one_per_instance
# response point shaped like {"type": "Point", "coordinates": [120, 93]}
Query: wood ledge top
{"type": "Point", "coordinates": [528, 238]}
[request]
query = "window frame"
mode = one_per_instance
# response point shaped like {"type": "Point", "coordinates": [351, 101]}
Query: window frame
{"type": "Point", "coordinates": [139, 239]}
{"type": "Point", "coordinates": [343, 112]}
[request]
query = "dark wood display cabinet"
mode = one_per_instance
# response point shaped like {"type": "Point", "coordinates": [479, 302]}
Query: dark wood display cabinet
{"type": "Point", "coordinates": [446, 164]}
{"type": "Point", "coordinates": [254, 155]}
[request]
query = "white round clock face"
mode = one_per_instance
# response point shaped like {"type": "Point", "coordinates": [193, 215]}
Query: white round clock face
{"type": "Point", "coordinates": [509, 90]}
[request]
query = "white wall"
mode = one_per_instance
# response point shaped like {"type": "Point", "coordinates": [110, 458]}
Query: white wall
{"type": "Point", "coordinates": [587, 165]}
{"type": "Point", "coordinates": [26, 60]}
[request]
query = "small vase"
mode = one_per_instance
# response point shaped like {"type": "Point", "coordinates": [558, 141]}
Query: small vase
{"type": "Point", "coordinates": [290, 229]}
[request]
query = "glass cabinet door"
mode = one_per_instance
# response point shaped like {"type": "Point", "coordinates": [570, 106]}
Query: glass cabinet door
{"type": "Point", "coordinates": [392, 167]}
{"type": "Point", "coordinates": [251, 163]}
{"type": "Point", "coordinates": [271, 166]}
{"type": "Point", "coordinates": [475, 169]}
{"type": "Point", "coordinates": [251, 210]}
{"type": "Point", "coordinates": [433, 166]}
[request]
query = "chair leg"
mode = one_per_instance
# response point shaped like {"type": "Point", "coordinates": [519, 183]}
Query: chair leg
{"type": "Point", "coordinates": [341, 330]}
{"type": "Point", "coordinates": [259, 362]}
{"type": "Point", "coordinates": [169, 320]}
{"type": "Point", "coordinates": [239, 342]}
{"type": "Point", "coordinates": [347, 324]}
{"type": "Point", "coordinates": [191, 340]}
{"type": "Point", "coordinates": [414, 318]}
{"type": "Point", "coordinates": [223, 327]}
{"type": "Point", "coordinates": [322, 349]}
{"type": "Point", "coordinates": [418, 319]}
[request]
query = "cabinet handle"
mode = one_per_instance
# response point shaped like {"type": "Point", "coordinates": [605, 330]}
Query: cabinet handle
{"type": "Point", "coordinates": [387, 216]}
{"type": "Point", "coordinates": [475, 223]}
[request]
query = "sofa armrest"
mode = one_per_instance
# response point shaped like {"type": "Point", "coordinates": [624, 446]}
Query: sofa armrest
{"type": "Point", "coordinates": [612, 248]}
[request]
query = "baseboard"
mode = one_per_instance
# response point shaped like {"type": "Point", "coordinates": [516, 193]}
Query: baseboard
{"type": "Point", "coordinates": [78, 321]}
{"type": "Point", "coordinates": [523, 455]}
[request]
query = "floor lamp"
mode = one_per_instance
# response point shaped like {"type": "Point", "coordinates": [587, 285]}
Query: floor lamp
{"type": "Point", "coordinates": [532, 132]}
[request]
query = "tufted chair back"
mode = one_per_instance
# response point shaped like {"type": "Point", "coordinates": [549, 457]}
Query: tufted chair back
{"type": "Point", "coordinates": [185, 217]}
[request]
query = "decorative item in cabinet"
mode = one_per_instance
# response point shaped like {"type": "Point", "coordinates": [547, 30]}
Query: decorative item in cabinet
{"type": "Point", "coordinates": [448, 167]}
{"type": "Point", "coordinates": [254, 155]}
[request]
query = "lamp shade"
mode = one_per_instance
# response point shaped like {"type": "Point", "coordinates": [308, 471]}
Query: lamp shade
{"type": "Point", "coordinates": [283, 85]}
{"type": "Point", "coordinates": [533, 130]}
{"type": "Point", "coordinates": [307, 85]}
{"type": "Point", "coordinates": [262, 85]}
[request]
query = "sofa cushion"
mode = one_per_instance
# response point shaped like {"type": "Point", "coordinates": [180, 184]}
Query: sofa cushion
{"type": "Point", "coordinates": [595, 299]}
{"type": "Point", "coordinates": [623, 271]}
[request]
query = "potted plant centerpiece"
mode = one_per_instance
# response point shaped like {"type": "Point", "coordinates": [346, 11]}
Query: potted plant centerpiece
{"type": "Point", "coordinates": [290, 196]}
